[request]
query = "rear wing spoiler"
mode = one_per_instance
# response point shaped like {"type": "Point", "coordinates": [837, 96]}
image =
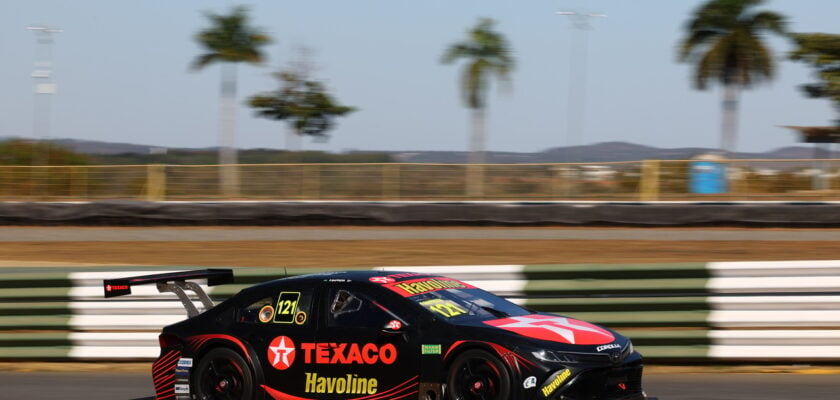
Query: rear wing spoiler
{"type": "Point", "coordinates": [173, 282]}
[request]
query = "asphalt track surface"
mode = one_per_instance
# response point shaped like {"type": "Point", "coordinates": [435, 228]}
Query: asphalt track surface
{"type": "Point", "coordinates": [97, 234]}
{"type": "Point", "coordinates": [707, 386]}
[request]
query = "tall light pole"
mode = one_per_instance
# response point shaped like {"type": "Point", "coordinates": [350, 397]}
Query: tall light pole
{"type": "Point", "coordinates": [44, 88]}
{"type": "Point", "coordinates": [576, 108]}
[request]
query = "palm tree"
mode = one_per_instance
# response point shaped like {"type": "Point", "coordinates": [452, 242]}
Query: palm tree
{"type": "Point", "coordinates": [723, 41]}
{"type": "Point", "coordinates": [487, 54]}
{"type": "Point", "coordinates": [303, 102]}
{"type": "Point", "coordinates": [229, 40]}
{"type": "Point", "coordinates": [822, 52]}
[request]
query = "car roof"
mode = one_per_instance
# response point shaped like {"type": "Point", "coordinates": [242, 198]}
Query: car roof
{"type": "Point", "coordinates": [358, 276]}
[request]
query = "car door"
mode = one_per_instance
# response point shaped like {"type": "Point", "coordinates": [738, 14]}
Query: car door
{"type": "Point", "coordinates": [364, 347]}
{"type": "Point", "coordinates": [277, 325]}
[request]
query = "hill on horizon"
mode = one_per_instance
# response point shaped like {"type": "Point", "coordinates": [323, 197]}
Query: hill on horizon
{"type": "Point", "coordinates": [599, 152]}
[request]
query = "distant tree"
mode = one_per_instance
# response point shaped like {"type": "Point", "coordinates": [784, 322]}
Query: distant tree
{"type": "Point", "coordinates": [229, 40]}
{"type": "Point", "coordinates": [723, 41]}
{"type": "Point", "coordinates": [487, 54]}
{"type": "Point", "coordinates": [304, 103]}
{"type": "Point", "coordinates": [28, 152]}
{"type": "Point", "coordinates": [822, 52]}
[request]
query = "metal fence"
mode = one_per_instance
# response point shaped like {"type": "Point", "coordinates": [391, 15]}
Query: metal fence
{"type": "Point", "coordinates": [633, 180]}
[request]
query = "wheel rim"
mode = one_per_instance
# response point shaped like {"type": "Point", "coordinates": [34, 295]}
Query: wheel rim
{"type": "Point", "coordinates": [478, 379]}
{"type": "Point", "coordinates": [222, 380]}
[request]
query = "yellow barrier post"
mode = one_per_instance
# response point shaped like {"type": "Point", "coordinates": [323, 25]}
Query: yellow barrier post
{"type": "Point", "coordinates": [78, 182]}
{"type": "Point", "coordinates": [311, 181]}
{"type": "Point", "coordinates": [390, 181]}
{"type": "Point", "coordinates": [649, 185]}
{"type": "Point", "coordinates": [155, 182]}
{"type": "Point", "coordinates": [475, 180]}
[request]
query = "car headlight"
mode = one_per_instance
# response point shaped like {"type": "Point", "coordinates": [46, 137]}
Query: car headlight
{"type": "Point", "coordinates": [628, 348]}
{"type": "Point", "coordinates": [555, 357]}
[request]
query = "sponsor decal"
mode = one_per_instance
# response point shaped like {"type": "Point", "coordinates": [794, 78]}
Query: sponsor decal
{"type": "Point", "coordinates": [530, 382]}
{"type": "Point", "coordinates": [426, 285]}
{"type": "Point", "coordinates": [430, 349]}
{"type": "Point", "coordinates": [446, 308]}
{"type": "Point", "coordinates": [185, 362]}
{"type": "Point", "coordinates": [266, 314]}
{"type": "Point", "coordinates": [555, 383]}
{"type": "Point", "coordinates": [109, 288]}
{"type": "Point", "coordinates": [281, 352]}
{"type": "Point", "coordinates": [347, 384]}
{"type": "Point", "coordinates": [381, 279]}
{"type": "Point", "coordinates": [286, 309]}
{"type": "Point", "coordinates": [300, 318]}
{"type": "Point", "coordinates": [182, 389]}
{"type": "Point", "coordinates": [394, 325]}
{"type": "Point", "coordinates": [348, 353]}
{"type": "Point", "coordinates": [608, 347]}
{"type": "Point", "coordinates": [405, 275]}
{"type": "Point", "coordinates": [402, 390]}
{"type": "Point", "coordinates": [556, 329]}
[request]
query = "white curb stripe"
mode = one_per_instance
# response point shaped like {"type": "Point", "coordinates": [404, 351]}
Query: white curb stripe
{"type": "Point", "coordinates": [122, 352]}
{"type": "Point", "coordinates": [775, 352]}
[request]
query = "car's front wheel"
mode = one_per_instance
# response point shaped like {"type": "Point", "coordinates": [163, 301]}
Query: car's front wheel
{"type": "Point", "coordinates": [478, 375]}
{"type": "Point", "coordinates": [222, 374]}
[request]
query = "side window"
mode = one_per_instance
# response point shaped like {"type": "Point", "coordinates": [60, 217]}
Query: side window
{"type": "Point", "coordinates": [288, 308]}
{"type": "Point", "coordinates": [353, 309]}
{"type": "Point", "coordinates": [251, 312]}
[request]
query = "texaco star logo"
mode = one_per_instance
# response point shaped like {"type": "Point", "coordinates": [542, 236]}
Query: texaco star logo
{"type": "Point", "coordinates": [281, 352]}
{"type": "Point", "coordinates": [556, 329]}
{"type": "Point", "coordinates": [381, 279]}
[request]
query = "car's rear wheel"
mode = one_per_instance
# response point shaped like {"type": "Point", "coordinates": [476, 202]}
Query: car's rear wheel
{"type": "Point", "coordinates": [222, 374]}
{"type": "Point", "coordinates": [478, 375]}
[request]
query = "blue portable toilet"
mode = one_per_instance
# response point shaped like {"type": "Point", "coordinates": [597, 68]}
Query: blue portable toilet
{"type": "Point", "coordinates": [708, 175]}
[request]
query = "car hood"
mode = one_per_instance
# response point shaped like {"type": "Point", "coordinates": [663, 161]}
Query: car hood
{"type": "Point", "coordinates": [562, 332]}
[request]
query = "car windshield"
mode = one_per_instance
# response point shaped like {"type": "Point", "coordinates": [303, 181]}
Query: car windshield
{"type": "Point", "coordinates": [462, 304]}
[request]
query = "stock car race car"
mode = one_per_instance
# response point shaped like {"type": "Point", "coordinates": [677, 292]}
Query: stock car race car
{"type": "Point", "coordinates": [379, 335]}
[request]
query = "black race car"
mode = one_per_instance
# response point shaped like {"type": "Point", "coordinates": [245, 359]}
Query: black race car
{"type": "Point", "coordinates": [377, 335]}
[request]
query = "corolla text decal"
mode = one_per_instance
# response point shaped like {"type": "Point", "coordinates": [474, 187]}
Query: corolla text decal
{"type": "Point", "coordinates": [608, 347]}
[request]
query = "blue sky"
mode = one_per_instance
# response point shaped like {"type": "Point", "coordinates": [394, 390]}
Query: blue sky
{"type": "Point", "coordinates": [122, 70]}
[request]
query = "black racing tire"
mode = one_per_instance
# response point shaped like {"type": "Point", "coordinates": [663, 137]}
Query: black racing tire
{"type": "Point", "coordinates": [478, 375]}
{"type": "Point", "coordinates": [222, 374]}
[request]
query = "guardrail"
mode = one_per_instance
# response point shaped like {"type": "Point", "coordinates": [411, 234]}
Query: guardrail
{"type": "Point", "coordinates": [695, 312]}
{"type": "Point", "coordinates": [631, 180]}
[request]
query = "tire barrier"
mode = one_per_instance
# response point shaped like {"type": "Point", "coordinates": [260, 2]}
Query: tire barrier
{"type": "Point", "coordinates": [682, 312]}
{"type": "Point", "coordinates": [763, 213]}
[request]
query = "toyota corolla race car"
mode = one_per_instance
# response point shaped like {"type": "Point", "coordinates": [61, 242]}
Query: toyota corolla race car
{"type": "Point", "coordinates": [377, 335]}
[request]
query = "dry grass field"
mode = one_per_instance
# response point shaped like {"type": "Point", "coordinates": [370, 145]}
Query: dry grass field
{"type": "Point", "coordinates": [362, 253]}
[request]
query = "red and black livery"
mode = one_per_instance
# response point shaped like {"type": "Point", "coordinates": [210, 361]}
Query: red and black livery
{"type": "Point", "coordinates": [379, 335]}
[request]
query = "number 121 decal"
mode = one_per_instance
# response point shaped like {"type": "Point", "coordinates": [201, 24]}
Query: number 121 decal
{"type": "Point", "coordinates": [287, 304]}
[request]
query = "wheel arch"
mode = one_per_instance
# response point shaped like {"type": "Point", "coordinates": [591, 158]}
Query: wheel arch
{"type": "Point", "coordinates": [244, 349]}
{"type": "Point", "coordinates": [459, 348]}
{"type": "Point", "coordinates": [492, 349]}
